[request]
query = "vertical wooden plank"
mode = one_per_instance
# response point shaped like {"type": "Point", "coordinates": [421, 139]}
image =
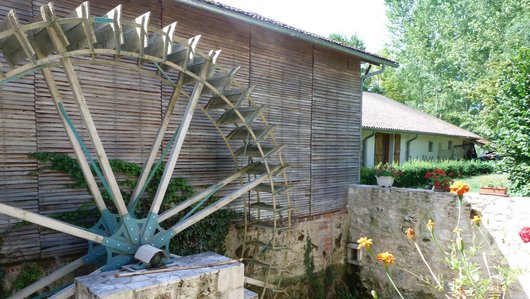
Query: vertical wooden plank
{"type": "Point", "coordinates": [336, 121]}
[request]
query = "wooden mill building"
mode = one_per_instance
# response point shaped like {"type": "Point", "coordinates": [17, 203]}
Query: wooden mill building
{"type": "Point", "coordinates": [310, 86]}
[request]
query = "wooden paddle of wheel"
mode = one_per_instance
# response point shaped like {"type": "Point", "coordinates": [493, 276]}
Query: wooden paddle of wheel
{"type": "Point", "coordinates": [81, 39]}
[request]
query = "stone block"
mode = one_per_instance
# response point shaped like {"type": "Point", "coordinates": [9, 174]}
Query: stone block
{"type": "Point", "coordinates": [222, 281]}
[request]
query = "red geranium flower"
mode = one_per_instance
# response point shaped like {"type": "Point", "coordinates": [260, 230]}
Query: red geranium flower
{"type": "Point", "coordinates": [525, 234]}
{"type": "Point", "coordinates": [427, 175]}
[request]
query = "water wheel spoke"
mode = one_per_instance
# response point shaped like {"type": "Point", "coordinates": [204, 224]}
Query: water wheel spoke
{"type": "Point", "coordinates": [208, 192]}
{"type": "Point", "coordinates": [148, 170]}
{"type": "Point", "coordinates": [55, 32]}
{"type": "Point", "coordinates": [50, 223]}
{"type": "Point", "coordinates": [182, 131]}
{"type": "Point", "coordinates": [182, 225]}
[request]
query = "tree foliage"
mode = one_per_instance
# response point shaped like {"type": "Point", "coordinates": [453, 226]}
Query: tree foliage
{"type": "Point", "coordinates": [354, 40]}
{"type": "Point", "coordinates": [451, 53]}
{"type": "Point", "coordinates": [513, 107]}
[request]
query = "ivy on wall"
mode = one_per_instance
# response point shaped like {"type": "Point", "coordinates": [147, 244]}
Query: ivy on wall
{"type": "Point", "coordinates": [206, 235]}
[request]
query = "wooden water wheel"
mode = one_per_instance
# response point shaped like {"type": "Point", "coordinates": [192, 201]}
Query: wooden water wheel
{"type": "Point", "coordinates": [260, 177]}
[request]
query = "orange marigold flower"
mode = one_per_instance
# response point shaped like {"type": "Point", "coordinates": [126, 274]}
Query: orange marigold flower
{"type": "Point", "coordinates": [459, 188]}
{"type": "Point", "coordinates": [411, 234]}
{"type": "Point", "coordinates": [476, 220]}
{"type": "Point", "coordinates": [430, 225]}
{"type": "Point", "coordinates": [364, 242]}
{"type": "Point", "coordinates": [386, 257]}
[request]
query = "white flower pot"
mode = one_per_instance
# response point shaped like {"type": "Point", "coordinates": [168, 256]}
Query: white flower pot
{"type": "Point", "coordinates": [385, 181]}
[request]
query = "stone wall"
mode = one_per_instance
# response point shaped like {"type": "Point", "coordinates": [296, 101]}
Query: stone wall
{"type": "Point", "coordinates": [384, 214]}
{"type": "Point", "coordinates": [328, 233]}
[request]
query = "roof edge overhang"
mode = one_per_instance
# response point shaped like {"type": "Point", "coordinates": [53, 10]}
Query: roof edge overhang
{"type": "Point", "coordinates": [476, 139]}
{"type": "Point", "coordinates": [291, 32]}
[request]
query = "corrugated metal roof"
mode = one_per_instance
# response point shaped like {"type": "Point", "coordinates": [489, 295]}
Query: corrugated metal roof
{"type": "Point", "coordinates": [220, 7]}
{"type": "Point", "coordinates": [380, 112]}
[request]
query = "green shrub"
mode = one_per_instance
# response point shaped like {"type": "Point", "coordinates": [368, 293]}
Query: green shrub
{"type": "Point", "coordinates": [413, 172]}
{"type": "Point", "coordinates": [368, 176]}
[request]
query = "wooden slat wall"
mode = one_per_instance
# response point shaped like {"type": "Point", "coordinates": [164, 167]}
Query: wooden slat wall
{"type": "Point", "coordinates": [18, 185]}
{"type": "Point", "coordinates": [312, 94]}
{"type": "Point", "coordinates": [281, 70]}
{"type": "Point", "coordinates": [336, 120]}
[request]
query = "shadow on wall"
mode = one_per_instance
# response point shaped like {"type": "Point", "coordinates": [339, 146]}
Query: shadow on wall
{"type": "Point", "coordinates": [384, 214]}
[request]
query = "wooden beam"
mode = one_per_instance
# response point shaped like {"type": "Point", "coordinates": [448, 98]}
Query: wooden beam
{"type": "Point", "coordinates": [65, 293]}
{"type": "Point", "coordinates": [135, 38]}
{"type": "Point", "coordinates": [142, 180]}
{"type": "Point", "coordinates": [54, 58]}
{"type": "Point", "coordinates": [199, 196]}
{"type": "Point", "coordinates": [81, 158]}
{"type": "Point", "coordinates": [182, 225]}
{"type": "Point", "coordinates": [22, 39]}
{"type": "Point", "coordinates": [48, 279]}
{"type": "Point", "coordinates": [50, 223]}
{"type": "Point", "coordinates": [48, 15]}
{"type": "Point", "coordinates": [181, 133]}
{"type": "Point", "coordinates": [110, 35]}
{"type": "Point", "coordinates": [159, 45]}
{"type": "Point", "coordinates": [167, 38]}
{"type": "Point", "coordinates": [82, 33]}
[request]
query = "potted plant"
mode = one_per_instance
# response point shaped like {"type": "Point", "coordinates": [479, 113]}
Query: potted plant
{"type": "Point", "coordinates": [385, 174]}
{"type": "Point", "coordinates": [440, 180]}
{"type": "Point", "coordinates": [491, 189]}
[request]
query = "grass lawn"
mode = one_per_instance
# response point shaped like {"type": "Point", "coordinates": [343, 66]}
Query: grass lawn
{"type": "Point", "coordinates": [497, 180]}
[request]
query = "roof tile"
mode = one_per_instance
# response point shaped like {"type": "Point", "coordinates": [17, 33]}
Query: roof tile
{"type": "Point", "coordinates": [380, 112]}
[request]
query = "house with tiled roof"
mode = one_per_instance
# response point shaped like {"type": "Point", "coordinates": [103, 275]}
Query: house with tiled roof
{"type": "Point", "coordinates": [394, 132]}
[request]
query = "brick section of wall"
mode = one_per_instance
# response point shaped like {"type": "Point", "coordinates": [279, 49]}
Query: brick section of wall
{"type": "Point", "coordinates": [328, 233]}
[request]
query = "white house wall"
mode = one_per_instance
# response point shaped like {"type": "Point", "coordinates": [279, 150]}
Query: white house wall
{"type": "Point", "coordinates": [419, 147]}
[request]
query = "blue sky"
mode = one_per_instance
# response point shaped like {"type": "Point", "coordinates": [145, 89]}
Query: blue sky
{"type": "Point", "coordinates": [365, 17]}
